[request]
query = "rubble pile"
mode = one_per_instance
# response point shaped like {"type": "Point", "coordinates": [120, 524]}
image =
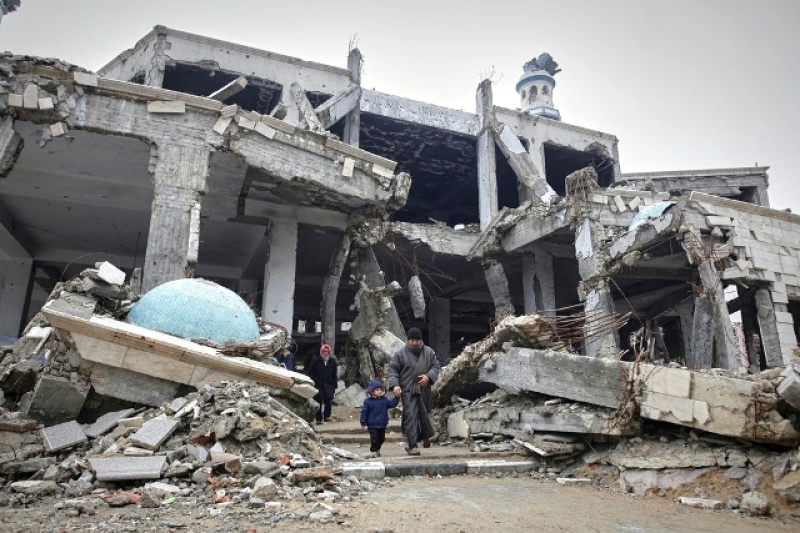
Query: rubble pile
{"type": "Point", "coordinates": [637, 427]}
{"type": "Point", "coordinates": [228, 445]}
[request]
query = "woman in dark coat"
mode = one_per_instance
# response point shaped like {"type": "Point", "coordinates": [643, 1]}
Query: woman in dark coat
{"type": "Point", "coordinates": [323, 371]}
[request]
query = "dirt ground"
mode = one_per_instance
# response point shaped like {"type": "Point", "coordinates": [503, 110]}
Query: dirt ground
{"type": "Point", "coordinates": [451, 504]}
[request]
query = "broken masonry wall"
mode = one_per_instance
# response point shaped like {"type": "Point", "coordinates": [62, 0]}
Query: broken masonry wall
{"type": "Point", "coordinates": [764, 252]}
{"type": "Point", "coordinates": [144, 60]}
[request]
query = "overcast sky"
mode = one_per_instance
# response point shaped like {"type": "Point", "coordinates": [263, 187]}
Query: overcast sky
{"type": "Point", "coordinates": [684, 84]}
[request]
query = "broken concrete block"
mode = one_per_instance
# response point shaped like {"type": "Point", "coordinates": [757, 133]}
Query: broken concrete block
{"type": "Point", "coordinates": [63, 436]}
{"type": "Point", "coordinates": [352, 396]}
{"type": "Point", "coordinates": [754, 504]}
{"type": "Point", "coordinates": [245, 123]}
{"type": "Point", "coordinates": [30, 97]}
{"type": "Point", "coordinates": [222, 124]}
{"type": "Point", "coordinates": [106, 423]}
{"type": "Point", "coordinates": [620, 204]}
{"type": "Point", "coordinates": [228, 111]}
{"type": "Point", "coordinates": [166, 106]}
{"type": "Point", "coordinates": [134, 422]}
{"type": "Point", "coordinates": [15, 100]}
{"type": "Point", "coordinates": [348, 167]}
{"type": "Point", "coordinates": [265, 130]}
{"type": "Point", "coordinates": [55, 399]}
{"type": "Point", "coordinates": [125, 468]}
{"type": "Point", "coordinates": [789, 388]}
{"type": "Point", "coordinates": [382, 171]}
{"type": "Point", "coordinates": [789, 486]}
{"type": "Point", "coordinates": [85, 78]}
{"type": "Point", "coordinates": [58, 129]}
{"type": "Point", "coordinates": [46, 104]}
{"type": "Point", "coordinates": [135, 451]}
{"type": "Point", "coordinates": [34, 487]}
{"type": "Point", "coordinates": [701, 503]}
{"type": "Point", "coordinates": [153, 433]}
{"type": "Point", "coordinates": [111, 274]}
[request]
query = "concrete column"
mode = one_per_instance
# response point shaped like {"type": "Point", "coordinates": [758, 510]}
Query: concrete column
{"type": "Point", "coordinates": [16, 277]}
{"type": "Point", "coordinates": [538, 283]}
{"type": "Point", "coordinates": [768, 326]}
{"type": "Point", "coordinates": [439, 328]}
{"type": "Point", "coordinates": [172, 244]}
{"type": "Point", "coordinates": [727, 348]}
{"type": "Point", "coordinates": [487, 164]}
{"type": "Point", "coordinates": [352, 122]}
{"type": "Point", "coordinates": [685, 316]}
{"type": "Point", "coordinates": [154, 75]}
{"type": "Point", "coordinates": [598, 304]}
{"type": "Point", "coordinates": [279, 273]}
{"type": "Point", "coordinates": [497, 281]}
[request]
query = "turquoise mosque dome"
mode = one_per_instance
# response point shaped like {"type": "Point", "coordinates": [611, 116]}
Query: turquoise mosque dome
{"type": "Point", "coordinates": [196, 309]}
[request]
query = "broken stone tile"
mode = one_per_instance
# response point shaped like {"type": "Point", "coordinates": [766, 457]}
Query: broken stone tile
{"type": "Point", "coordinates": [177, 404]}
{"type": "Point", "coordinates": [154, 432]}
{"type": "Point", "coordinates": [55, 399]}
{"type": "Point", "coordinates": [106, 423]}
{"type": "Point", "coordinates": [108, 272]}
{"type": "Point", "coordinates": [124, 468]}
{"type": "Point", "coordinates": [134, 422]}
{"type": "Point", "coordinates": [136, 451]}
{"type": "Point", "coordinates": [62, 436]}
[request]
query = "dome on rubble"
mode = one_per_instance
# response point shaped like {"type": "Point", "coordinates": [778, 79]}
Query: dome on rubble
{"type": "Point", "coordinates": [196, 309]}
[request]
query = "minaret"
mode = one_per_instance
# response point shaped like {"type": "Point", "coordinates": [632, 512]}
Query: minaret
{"type": "Point", "coordinates": [535, 87]}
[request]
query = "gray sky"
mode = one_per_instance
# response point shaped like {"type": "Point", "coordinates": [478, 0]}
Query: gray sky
{"type": "Point", "coordinates": [684, 84]}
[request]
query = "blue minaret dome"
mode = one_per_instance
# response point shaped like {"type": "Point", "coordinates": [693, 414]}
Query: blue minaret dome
{"type": "Point", "coordinates": [535, 87]}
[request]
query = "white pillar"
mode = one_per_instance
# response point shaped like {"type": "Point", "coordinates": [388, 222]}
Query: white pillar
{"type": "Point", "coordinates": [487, 164]}
{"type": "Point", "coordinates": [538, 283]}
{"type": "Point", "coordinates": [15, 284]}
{"type": "Point", "coordinates": [279, 273]}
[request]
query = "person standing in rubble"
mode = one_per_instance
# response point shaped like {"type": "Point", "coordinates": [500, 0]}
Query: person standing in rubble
{"type": "Point", "coordinates": [412, 371]}
{"type": "Point", "coordinates": [324, 371]}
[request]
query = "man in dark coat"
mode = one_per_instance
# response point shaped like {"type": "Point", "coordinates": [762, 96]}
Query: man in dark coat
{"type": "Point", "coordinates": [323, 370]}
{"type": "Point", "coordinates": [412, 371]}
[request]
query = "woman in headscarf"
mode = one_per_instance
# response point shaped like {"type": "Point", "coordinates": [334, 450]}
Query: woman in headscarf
{"type": "Point", "coordinates": [323, 371]}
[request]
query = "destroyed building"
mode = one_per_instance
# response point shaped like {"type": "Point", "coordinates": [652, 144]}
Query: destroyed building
{"type": "Point", "coordinates": [346, 215]}
{"type": "Point", "coordinates": [289, 183]}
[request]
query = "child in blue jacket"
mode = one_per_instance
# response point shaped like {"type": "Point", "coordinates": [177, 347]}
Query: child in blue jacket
{"type": "Point", "coordinates": [375, 415]}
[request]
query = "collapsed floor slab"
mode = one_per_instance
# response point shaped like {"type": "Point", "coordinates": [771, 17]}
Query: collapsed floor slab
{"type": "Point", "coordinates": [116, 344]}
{"type": "Point", "coordinates": [710, 402]}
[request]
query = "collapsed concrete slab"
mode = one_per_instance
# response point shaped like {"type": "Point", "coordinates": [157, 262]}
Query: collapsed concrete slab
{"type": "Point", "coordinates": [711, 402]}
{"type": "Point", "coordinates": [117, 344]}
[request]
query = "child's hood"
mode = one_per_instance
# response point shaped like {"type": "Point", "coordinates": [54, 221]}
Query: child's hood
{"type": "Point", "coordinates": [374, 384]}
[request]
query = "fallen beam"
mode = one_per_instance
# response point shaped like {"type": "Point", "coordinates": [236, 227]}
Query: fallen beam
{"type": "Point", "coordinates": [336, 108]}
{"type": "Point", "coordinates": [308, 116]}
{"type": "Point", "coordinates": [229, 90]}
